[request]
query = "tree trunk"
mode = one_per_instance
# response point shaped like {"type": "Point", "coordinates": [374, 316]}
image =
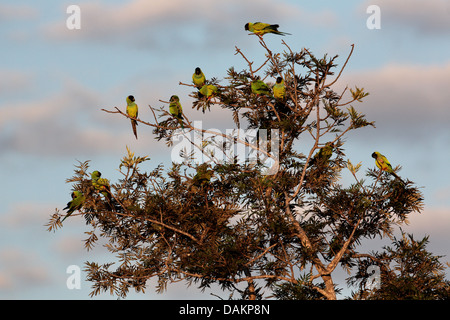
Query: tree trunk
{"type": "Point", "coordinates": [251, 290]}
{"type": "Point", "coordinates": [330, 294]}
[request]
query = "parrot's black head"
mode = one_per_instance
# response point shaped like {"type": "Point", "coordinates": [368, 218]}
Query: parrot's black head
{"type": "Point", "coordinates": [96, 173]}
{"type": "Point", "coordinates": [374, 155]}
{"type": "Point", "coordinates": [246, 26]}
{"type": "Point", "coordinates": [279, 79]}
{"type": "Point", "coordinates": [131, 98]}
{"type": "Point", "coordinates": [198, 70]}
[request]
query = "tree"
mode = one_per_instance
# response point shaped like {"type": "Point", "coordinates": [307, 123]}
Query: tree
{"type": "Point", "coordinates": [407, 271]}
{"type": "Point", "coordinates": [276, 221]}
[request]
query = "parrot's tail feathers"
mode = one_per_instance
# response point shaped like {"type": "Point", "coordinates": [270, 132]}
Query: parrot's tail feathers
{"type": "Point", "coordinates": [281, 33]}
{"type": "Point", "coordinates": [133, 125]}
{"type": "Point", "coordinates": [180, 121]}
{"type": "Point", "coordinates": [398, 178]}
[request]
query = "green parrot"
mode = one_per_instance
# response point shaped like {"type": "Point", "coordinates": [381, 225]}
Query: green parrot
{"type": "Point", "coordinates": [261, 29]}
{"type": "Point", "coordinates": [198, 78]}
{"type": "Point", "coordinates": [323, 155]}
{"type": "Point", "coordinates": [76, 203]}
{"type": "Point", "coordinates": [176, 109]}
{"type": "Point", "coordinates": [208, 91]}
{"type": "Point", "coordinates": [95, 175]}
{"type": "Point", "coordinates": [279, 89]}
{"type": "Point", "coordinates": [132, 111]}
{"type": "Point", "coordinates": [383, 164]}
{"type": "Point", "coordinates": [259, 87]}
{"type": "Point", "coordinates": [100, 184]}
{"type": "Point", "coordinates": [203, 175]}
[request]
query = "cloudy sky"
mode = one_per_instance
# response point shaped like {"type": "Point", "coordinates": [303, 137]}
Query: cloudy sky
{"type": "Point", "coordinates": [54, 81]}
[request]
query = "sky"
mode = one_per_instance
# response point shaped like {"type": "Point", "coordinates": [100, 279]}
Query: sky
{"type": "Point", "coordinates": [55, 81]}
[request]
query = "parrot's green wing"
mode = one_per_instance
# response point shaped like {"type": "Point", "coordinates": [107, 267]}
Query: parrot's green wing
{"type": "Point", "coordinates": [260, 88]}
{"type": "Point", "coordinates": [208, 90]}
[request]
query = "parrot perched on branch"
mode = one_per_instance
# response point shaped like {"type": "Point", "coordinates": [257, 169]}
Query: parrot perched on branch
{"type": "Point", "coordinates": [203, 175]}
{"type": "Point", "coordinates": [101, 184]}
{"type": "Point", "coordinates": [132, 111]}
{"type": "Point", "coordinates": [198, 78]}
{"type": "Point", "coordinates": [208, 91]}
{"type": "Point", "coordinates": [95, 175]}
{"type": "Point", "coordinates": [176, 109]}
{"type": "Point", "coordinates": [383, 164]}
{"type": "Point", "coordinates": [323, 155]}
{"type": "Point", "coordinates": [260, 88]}
{"type": "Point", "coordinates": [76, 203]}
{"type": "Point", "coordinates": [279, 89]}
{"type": "Point", "coordinates": [261, 29]}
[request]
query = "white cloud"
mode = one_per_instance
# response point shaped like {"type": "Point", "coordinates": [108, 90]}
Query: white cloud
{"type": "Point", "coordinates": [17, 12]}
{"type": "Point", "coordinates": [441, 195]}
{"type": "Point", "coordinates": [71, 246]}
{"type": "Point", "coordinates": [5, 281]}
{"type": "Point", "coordinates": [434, 222]}
{"type": "Point", "coordinates": [69, 123]}
{"type": "Point", "coordinates": [409, 101]}
{"type": "Point", "coordinates": [166, 26]}
{"type": "Point", "coordinates": [13, 82]}
{"type": "Point", "coordinates": [26, 214]}
{"type": "Point", "coordinates": [21, 269]}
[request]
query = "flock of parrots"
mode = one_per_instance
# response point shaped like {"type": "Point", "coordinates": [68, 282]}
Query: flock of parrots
{"type": "Point", "coordinates": [258, 87]}
{"type": "Point", "coordinates": [100, 185]}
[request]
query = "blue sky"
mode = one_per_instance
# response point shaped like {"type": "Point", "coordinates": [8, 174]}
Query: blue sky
{"type": "Point", "coordinates": [54, 81]}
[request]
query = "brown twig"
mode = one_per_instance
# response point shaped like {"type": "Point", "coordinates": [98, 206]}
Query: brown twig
{"type": "Point", "coordinates": [342, 69]}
